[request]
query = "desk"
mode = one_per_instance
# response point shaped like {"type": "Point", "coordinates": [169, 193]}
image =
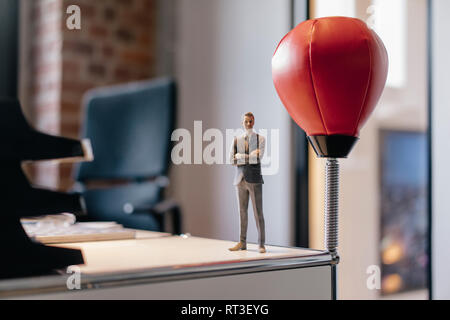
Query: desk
{"type": "Point", "coordinates": [162, 266]}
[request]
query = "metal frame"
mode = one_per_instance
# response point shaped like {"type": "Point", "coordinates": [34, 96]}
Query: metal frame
{"type": "Point", "coordinates": [9, 31]}
{"type": "Point", "coordinates": [300, 12]}
{"type": "Point", "coordinates": [57, 284]}
{"type": "Point", "coordinates": [430, 145]}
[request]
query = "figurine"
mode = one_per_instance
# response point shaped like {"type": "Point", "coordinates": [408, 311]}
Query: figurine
{"type": "Point", "coordinates": [246, 155]}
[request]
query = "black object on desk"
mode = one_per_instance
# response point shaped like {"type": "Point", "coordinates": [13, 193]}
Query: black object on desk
{"type": "Point", "coordinates": [130, 128]}
{"type": "Point", "coordinates": [19, 255]}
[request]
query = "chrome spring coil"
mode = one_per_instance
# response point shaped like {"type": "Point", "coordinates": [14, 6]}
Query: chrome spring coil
{"type": "Point", "coordinates": [331, 205]}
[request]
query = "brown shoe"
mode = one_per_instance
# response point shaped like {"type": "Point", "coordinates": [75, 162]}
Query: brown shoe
{"type": "Point", "coordinates": [262, 249]}
{"type": "Point", "coordinates": [239, 246]}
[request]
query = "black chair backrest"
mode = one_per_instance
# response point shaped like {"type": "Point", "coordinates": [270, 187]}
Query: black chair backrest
{"type": "Point", "coordinates": [130, 128]}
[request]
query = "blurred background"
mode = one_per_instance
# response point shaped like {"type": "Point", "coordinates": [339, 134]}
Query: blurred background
{"type": "Point", "coordinates": [219, 54]}
{"type": "Point", "coordinates": [384, 184]}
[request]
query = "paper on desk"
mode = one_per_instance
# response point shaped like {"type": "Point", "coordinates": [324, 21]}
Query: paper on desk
{"type": "Point", "coordinates": [63, 229]}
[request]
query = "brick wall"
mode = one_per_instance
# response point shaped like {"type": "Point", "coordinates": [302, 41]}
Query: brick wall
{"type": "Point", "coordinates": [116, 44]}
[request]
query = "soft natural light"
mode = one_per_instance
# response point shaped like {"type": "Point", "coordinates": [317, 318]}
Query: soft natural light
{"type": "Point", "coordinates": [388, 18]}
{"type": "Point", "coordinates": [390, 24]}
{"type": "Point", "coordinates": [327, 8]}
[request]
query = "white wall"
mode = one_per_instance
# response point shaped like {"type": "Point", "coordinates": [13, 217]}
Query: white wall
{"type": "Point", "coordinates": [441, 150]}
{"type": "Point", "coordinates": [223, 66]}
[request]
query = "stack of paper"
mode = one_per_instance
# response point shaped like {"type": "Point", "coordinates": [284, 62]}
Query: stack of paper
{"type": "Point", "coordinates": [63, 229]}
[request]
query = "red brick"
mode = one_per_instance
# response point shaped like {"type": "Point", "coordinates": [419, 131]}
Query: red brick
{"type": "Point", "coordinates": [71, 66]}
{"type": "Point", "coordinates": [127, 3]}
{"type": "Point", "coordinates": [70, 107]}
{"type": "Point", "coordinates": [70, 119]}
{"type": "Point", "coordinates": [88, 8]}
{"type": "Point", "coordinates": [66, 180]}
{"type": "Point", "coordinates": [109, 14]}
{"type": "Point", "coordinates": [75, 86]}
{"type": "Point", "coordinates": [125, 35]}
{"type": "Point", "coordinates": [108, 51]}
{"type": "Point", "coordinates": [122, 73]}
{"type": "Point", "coordinates": [79, 47]}
{"type": "Point", "coordinates": [136, 57]}
{"type": "Point", "coordinates": [136, 19]}
{"type": "Point", "coordinates": [149, 5]}
{"type": "Point", "coordinates": [144, 39]}
{"type": "Point", "coordinates": [97, 70]}
{"type": "Point", "coordinates": [143, 76]}
{"type": "Point", "coordinates": [65, 168]}
{"type": "Point", "coordinates": [98, 31]}
{"type": "Point", "coordinates": [88, 11]}
{"type": "Point", "coordinates": [70, 129]}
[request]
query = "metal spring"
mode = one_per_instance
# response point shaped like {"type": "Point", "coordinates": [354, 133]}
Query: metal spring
{"type": "Point", "coordinates": [331, 205]}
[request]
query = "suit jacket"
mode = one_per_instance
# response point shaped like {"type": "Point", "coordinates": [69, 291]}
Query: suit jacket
{"type": "Point", "coordinates": [248, 169]}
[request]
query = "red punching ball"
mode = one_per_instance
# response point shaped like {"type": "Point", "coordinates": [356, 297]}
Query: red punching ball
{"type": "Point", "coordinates": [330, 74]}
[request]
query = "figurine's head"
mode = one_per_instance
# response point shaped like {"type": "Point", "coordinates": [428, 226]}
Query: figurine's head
{"type": "Point", "coordinates": [248, 121]}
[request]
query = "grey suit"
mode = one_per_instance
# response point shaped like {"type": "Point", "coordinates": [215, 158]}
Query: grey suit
{"type": "Point", "coordinates": [248, 181]}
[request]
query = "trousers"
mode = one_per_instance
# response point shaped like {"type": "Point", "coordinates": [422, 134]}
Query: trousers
{"type": "Point", "coordinates": [245, 191]}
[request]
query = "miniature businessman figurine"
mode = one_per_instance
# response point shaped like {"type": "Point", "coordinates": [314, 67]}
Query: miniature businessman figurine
{"type": "Point", "coordinates": [246, 155]}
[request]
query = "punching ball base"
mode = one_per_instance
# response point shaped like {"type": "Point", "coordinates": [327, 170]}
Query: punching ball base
{"type": "Point", "coordinates": [336, 146]}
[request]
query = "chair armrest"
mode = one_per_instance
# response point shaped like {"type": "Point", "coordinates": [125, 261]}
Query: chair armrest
{"type": "Point", "coordinates": [161, 210]}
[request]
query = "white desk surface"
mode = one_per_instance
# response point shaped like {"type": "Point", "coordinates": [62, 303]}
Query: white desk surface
{"type": "Point", "coordinates": [154, 257]}
{"type": "Point", "coordinates": [146, 253]}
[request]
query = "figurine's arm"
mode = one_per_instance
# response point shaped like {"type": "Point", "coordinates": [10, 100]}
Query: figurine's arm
{"type": "Point", "coordinates": [233, 152]}
{"type": "Point", "coordinates": [237, 158]}
{"type": "Point", "coordinates": [258, 153]}
{"type": "Point", "coordinates": [262, 147]}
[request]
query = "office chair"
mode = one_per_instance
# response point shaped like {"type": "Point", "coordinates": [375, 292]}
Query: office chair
{"type": "Point", "coordinates": [130, 129]}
